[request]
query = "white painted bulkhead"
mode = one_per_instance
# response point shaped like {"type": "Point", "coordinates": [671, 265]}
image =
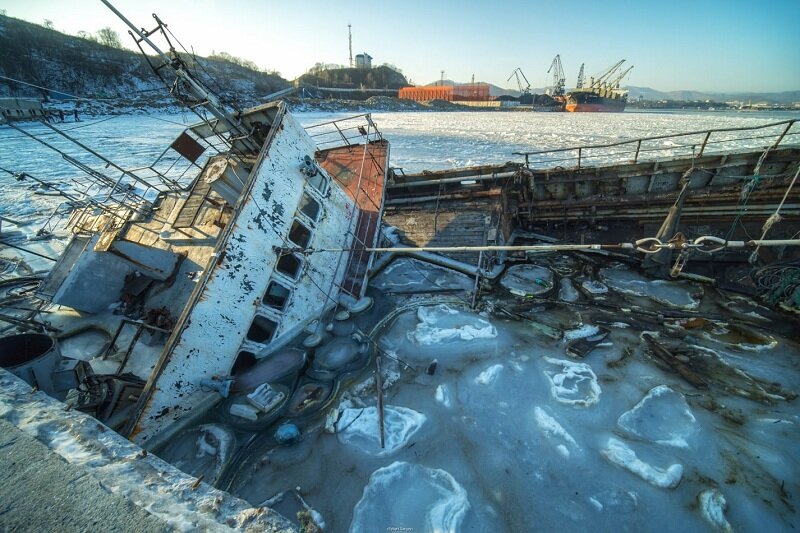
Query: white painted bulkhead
{"type": "Point", "coordinates": [219, 324]}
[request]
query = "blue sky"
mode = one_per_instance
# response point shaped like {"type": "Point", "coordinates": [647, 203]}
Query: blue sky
{"type": "Point", "coordinates": [727, 46]}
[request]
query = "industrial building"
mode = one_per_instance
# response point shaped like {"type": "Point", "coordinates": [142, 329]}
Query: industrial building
{"type": "Point", "coordinates": [364, 61]}
{"type": "Point", "coordinates": [470, 92]}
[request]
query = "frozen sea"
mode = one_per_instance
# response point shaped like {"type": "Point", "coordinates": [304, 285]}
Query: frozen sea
{"type": "Point", "coordinates": [505, 432]}
{"type": "Point", "coordinates": [419, 141]}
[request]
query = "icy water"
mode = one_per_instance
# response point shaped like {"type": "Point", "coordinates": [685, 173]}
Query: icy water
{"type": "Point", "coordinates": [489, 425]}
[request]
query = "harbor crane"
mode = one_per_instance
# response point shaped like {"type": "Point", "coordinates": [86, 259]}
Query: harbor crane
{"type": "Point", "coordinates": [557, 88]}
{"type": "Point", "coordinates": [579, 85]}
{"type": "Point", "coordinates": [518, 72]}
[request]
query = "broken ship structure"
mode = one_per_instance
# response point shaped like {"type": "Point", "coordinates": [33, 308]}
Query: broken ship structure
{"type": "Point", "coordinates": [218, 289]}
{"type": "Point", "coordinates": [207, 269]}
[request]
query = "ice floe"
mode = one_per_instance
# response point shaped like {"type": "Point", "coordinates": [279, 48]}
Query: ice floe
{"type": "Point", "coordinates": [567, 291]}
{"type": "Point", "coordinates": [410, 497]}
{"type": "Point", "coordinates": [594, 287]}
{"type": "Point", "coordinates": [441, 323]}
{"type": "Point", "coordinates": [662, 416]}
{"type": "Point", "coordinates": [405, 274]}
{"type": "Point", "coordinates": [359, 428]}
{"type": "Point", "coordinates": [672, 293]}
{"type": "Point", "coordinates": [573, 383]}
{"type": "Point", "coordinates": [554, 431]}
{"type": "Point", "coordinates": [528, 280]}
{"type": "Point", "coordinates": [618, 453]}
{"type": "Point", "coordinates": [712, 507]}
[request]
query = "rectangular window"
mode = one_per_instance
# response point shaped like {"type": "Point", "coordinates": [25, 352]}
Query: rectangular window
{"type": "Point", "coordinates": [309, 207]}
{"type": "Point", "coordinates": [276, 296]}
{"type": "Point", "coordinates": [299, 234]}
{"type": "Point", "coordinates": [289, 265]}
{"type": "Point", "coordinates": [262, 330]}
{"type": "Point", "coordinates": [319, 182]}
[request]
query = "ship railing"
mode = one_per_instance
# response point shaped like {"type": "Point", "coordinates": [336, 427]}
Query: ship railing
{"type": "Point", "coordinates": [692, 144]}
{"type": "Point", "coordinates": [350, 131]}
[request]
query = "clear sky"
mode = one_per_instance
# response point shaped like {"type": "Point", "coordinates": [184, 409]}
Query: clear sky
{"type": "Point", "coordinates": [720, 45]}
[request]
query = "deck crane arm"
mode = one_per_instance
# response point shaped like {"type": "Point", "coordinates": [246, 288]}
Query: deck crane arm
{"type": "Point", "coordinates": [614, 82]}
{"type": "Point", "coordinates": [579, 85]}
{"type": "Point", "coordinates": [605, 75]}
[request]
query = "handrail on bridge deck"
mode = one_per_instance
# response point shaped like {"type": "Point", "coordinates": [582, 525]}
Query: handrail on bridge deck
{"type": "Point", "coordinates": [347, 131]}
{"type": "Point", "coordinates": [608, 156]}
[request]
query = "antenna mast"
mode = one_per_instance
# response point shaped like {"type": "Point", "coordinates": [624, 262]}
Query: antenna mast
{"type": "Point", "coordinates": [350, 42]}
{"type": "Point", "coordinates": [198, 94]}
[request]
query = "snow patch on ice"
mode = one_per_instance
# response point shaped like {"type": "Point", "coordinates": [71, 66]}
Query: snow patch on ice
{"type": "Point", "coordinates": [585, 330]}
{"type": "Point", "coordinates": [436, 325]}
{"type": "Point", "coordinates": [488, 376]}
{"type": "Point", "coordinates": [712, 507]}
{"type": "Point", "coordinates": [662, 416]}
{"type": "Point", "coordinates": [573, 383]}
{"type": "Point", "coordinates": [410, 497]}
{"type": "Point", "coordinates": [551, 429]}
{"type": "Point", "coordinates": [618, 453]}
{"type": "Point", "coordinates": [359, 428]}
{"type": "Point", "coordinates": [443, 396]}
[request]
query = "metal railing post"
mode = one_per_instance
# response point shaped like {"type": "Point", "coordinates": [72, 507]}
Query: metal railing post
{"type": "Point", "coordinates": [705, 141]}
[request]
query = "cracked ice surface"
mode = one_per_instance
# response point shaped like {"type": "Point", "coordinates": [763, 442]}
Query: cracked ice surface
{"type": "Point", "coordinates": [663, 417]}
{"type": "Point", "coordinates": [618, 453]}
{"type": "Point", "coordinates": [410, 497]}
{"type": "Point", "coordinates": [441, 323]}
{"type": "Point", "coordinates": [573, 383]}
{"type": "Point", "coordinates": [357, 428]}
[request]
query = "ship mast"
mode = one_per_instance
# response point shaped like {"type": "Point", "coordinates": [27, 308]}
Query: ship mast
{"type": "Point", "coordinates": [200, 95]}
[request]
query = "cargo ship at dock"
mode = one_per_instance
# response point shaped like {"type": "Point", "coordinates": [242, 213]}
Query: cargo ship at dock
{"type": "Point", "coordinates": [587, 101]}
{"type": "Point", "coordinates": [601, 95]}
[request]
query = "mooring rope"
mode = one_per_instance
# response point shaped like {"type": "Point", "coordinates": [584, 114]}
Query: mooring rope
{"type": "Point", "coordinates": [774, 217]}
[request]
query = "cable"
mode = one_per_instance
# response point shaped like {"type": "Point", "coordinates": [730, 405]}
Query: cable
{"type": "Point", "coordinates": [53, 90]}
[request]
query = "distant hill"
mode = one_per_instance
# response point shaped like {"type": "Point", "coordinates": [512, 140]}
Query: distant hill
{"type": "Point", "coordinates": [786, 97]}
{"type": "Point", "coordinates": [381, 77]}
{"type": "Point", "coordinates": [84, 68]}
